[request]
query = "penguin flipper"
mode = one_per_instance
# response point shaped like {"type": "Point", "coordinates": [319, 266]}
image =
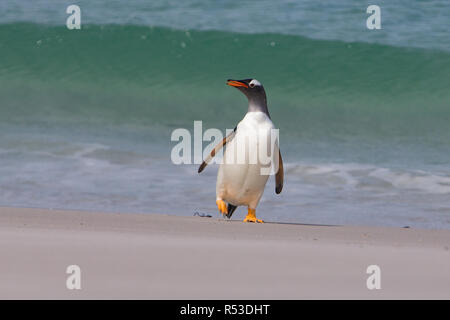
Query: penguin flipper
{"type": "Point", "coordinates": [279, 177]}
{"type": "Point", "coordinates": [214, 151]}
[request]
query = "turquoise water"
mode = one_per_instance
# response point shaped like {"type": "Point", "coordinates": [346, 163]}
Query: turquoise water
{"type": "Point", "coordinates": [86, 115]}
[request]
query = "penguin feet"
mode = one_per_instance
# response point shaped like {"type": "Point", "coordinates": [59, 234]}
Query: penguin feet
{"type": "Point", "coordinates": [251, 216]}
{"type": "Point", "coordinates": [222, 206]}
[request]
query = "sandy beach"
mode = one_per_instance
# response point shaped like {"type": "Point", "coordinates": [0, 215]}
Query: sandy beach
{"type": "Point", "coordinates": [153, 256]}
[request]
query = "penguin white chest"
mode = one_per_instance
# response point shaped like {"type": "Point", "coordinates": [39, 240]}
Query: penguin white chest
{"type": "Point", "coordinates": [243, 173]}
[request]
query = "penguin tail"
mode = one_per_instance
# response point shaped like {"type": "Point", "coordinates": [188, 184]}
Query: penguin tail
{"type": "Point", "coordinates": [230, 210]}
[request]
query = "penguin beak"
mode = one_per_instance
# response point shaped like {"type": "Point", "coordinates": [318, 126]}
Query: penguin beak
{"type": "Point", "coordinates": [236, 83]}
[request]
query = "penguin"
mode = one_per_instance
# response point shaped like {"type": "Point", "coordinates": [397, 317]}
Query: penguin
{"type": "Point", "coordinates": [240, 178]}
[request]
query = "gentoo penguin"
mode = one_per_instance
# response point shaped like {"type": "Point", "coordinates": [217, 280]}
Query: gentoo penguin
{"type": "Point", "coordinates": [240, 180]}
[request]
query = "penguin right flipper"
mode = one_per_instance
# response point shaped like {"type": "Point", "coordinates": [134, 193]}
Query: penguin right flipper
{"type": "Point", "coordinates": [279, 177]}
{"type": "Point", "coordinates": [216, 149]}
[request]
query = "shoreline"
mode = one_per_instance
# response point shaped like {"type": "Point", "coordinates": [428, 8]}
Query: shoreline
{"type": "Point", "coordinates": [154, 256]}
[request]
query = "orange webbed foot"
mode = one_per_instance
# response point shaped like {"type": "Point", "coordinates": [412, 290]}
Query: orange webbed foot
{"type": "Point", "coordinates": [251, 216]}
{"type": "Point", "coordinates": [222, 206]}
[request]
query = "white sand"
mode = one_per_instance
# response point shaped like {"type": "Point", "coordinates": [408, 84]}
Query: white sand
{"type": "Point", "coordinates": [154, 256]}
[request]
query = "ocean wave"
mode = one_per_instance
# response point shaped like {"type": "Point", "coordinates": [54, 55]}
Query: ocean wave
{"type": "Point", "coordinates": [378, 179]}
{"type": "Point", "coordinates": [146, 74]}
{"type": "Point", "coordinates": [410, 23]}
{"type": "Point", "coordinates": [328, 98]}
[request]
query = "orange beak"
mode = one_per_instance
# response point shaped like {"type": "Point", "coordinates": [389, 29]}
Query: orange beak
{"type": "Point", "coordinates": [235, 83]}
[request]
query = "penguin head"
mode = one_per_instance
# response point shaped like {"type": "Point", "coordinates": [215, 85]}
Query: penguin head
{"type": "Point", "coordinates": [252, 88]}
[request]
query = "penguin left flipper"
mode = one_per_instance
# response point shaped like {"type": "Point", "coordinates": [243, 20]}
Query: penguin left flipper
{"type": "Point", "coordinates": [216, 149]}
{"type": "Point", "coordinates": [279, 177]}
